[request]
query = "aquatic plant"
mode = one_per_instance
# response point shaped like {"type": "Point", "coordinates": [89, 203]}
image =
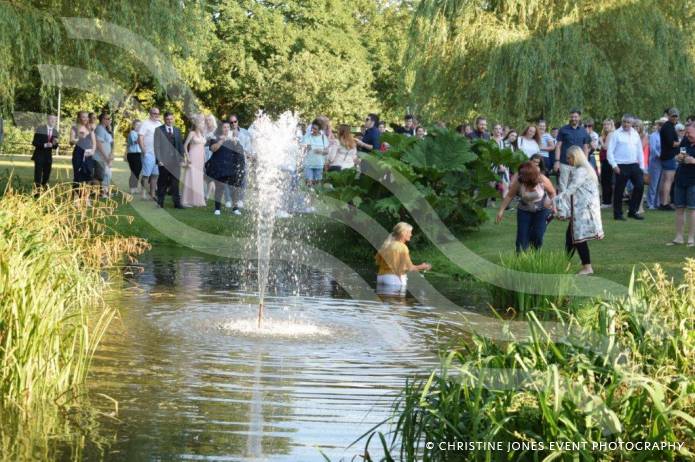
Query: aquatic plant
{"type": "Point", "coordinates": [533, 262]}
{"type": "Point", "coordinates": [54, 249]}
{"type": "Point", "coordinates": [625, 375]}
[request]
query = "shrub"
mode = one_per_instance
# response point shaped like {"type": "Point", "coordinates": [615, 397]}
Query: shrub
{"type": "Point", "coordinates": [452, 174]}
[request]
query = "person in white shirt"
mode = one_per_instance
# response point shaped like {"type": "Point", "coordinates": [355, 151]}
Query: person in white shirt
{"type": "Point", "coordinates": [345, 156]}
{"type": "Point", "coordinates": [529, 141]}
{"type": "Point", "coordinates": [626, 157]}
{"type": "Point", "coordinates": [150, 170]}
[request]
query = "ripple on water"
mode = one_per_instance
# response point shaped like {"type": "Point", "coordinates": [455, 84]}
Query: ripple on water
{"type": "Point", "coordinates": [319, 373]}
{"type": "Point", "coordinates": [274, 328]}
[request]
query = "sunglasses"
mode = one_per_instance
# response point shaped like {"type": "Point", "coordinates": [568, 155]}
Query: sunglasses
{"type": "Point", "coordinates": [234, 121]}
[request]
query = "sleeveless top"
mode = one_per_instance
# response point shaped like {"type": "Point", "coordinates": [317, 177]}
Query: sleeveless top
{"type": "Point", "coordinates": [532, 200]}
{"type": "Point", "coordinates": [83, 143]}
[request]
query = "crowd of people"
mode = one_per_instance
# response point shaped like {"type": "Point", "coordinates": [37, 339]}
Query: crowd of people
{"type": "Point", "coordinates": [209, 161]}
{"type": "Point", "coordinates": [592, 169]}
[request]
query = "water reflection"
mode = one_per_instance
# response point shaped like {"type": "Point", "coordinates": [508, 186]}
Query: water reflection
{"type": "Point", "coordinates": [190, 390]}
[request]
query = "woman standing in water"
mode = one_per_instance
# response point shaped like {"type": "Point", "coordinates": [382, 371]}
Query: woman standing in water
{"type": "Point", "coordinates": [393, 259]}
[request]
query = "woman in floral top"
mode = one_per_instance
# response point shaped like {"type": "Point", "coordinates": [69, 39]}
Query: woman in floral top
{"type": "Point", "coordinates": [580, 203]}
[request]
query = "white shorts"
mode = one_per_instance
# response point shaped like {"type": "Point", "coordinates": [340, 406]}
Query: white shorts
{"type": "Point", "coordinates": [391, 284]}
{"type": "Point", "coordinates": [392, 280]}
{"type": "Point", "coordinates": [149, 165]}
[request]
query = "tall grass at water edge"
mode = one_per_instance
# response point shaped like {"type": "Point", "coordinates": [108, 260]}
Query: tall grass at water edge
{"type": "Point", "coordinates": [524, 266]}
{"type": "Point", "coordinates": [53, 251]}
{"type": "Point", "coordinates": [626, 374]}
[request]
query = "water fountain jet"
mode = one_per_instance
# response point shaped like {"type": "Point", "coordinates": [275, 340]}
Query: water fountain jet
{"type": "Point", "coordinates": [260, 315]}
{"type": "Point", "coordinates": [275, 146]}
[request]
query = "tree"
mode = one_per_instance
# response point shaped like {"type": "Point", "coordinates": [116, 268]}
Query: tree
{"type": "Point", "coordinates": [284, 54]}
{"type": "Point", "coordinates": [519, 60]}
{"type": "Point", "coordinates": [383, 26]}
{"type": "Point", "coordinates": [35, 33]}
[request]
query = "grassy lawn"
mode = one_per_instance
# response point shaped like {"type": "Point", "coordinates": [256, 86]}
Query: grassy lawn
{"type": "Point", "coordinates": [627, 244]}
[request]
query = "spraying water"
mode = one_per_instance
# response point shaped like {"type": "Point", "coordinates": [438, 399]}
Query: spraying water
{"type": "Point", "coordinates": [274, 146]}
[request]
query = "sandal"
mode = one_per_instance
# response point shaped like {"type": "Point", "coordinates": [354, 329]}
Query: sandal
{"type": "Point", "coordinates": [675, 242]}
{"type": "Point", "coordinates": [691, 244]}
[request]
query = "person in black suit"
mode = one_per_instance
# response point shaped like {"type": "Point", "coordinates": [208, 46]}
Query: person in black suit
{"type": "Point", "coordinates": [44, 142]}
{"type": "Point", "coordinates": [168, 151]}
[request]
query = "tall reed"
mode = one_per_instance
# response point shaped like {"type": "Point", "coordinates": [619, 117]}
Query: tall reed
{"type": "Point", "coordinates": [625, 374]}
{"type": "Point", "coordinates": [532, 262]}
{"type": "Point", "coordinates": [54, 248]}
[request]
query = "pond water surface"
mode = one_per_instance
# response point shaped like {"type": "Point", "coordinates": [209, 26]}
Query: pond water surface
{"type": "Point", "coordinates": [189, 388]}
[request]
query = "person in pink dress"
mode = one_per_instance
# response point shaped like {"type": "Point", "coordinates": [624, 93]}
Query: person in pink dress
{"type": "Point", "coordinates": [193, 177]}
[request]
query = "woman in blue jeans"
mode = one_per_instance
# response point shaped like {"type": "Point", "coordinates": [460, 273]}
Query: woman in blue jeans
{"type": "Point", "coordinates": [536, 194]}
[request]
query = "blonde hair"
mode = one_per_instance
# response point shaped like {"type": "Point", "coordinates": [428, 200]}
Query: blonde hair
{"type": "Point", "coordinates": [345, 136]}
{"type": "Point", "coordinates": [210, 123]}
{"type": "Point", "coordinates": [396, 234]}
{"type": "Point", "coordinates": [199, 122]}
{"type": "Point", "coordinates": [580, 161]}
{"type": "Point", "coordinates": [78, 120]}
{"type": "Point", "coordinates": [639, 126]}
{"type": "Point", "coordinates": [605, 133]}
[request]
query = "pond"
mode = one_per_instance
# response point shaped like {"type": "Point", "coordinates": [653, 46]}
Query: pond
{"type": "Point", "coordinates": [193, 384]}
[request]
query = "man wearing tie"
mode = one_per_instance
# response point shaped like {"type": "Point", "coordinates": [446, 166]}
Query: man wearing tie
{"type": "Point", "coordinates": [168, 150]}
{"type": "Point", "coordinates": [44, 142]}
